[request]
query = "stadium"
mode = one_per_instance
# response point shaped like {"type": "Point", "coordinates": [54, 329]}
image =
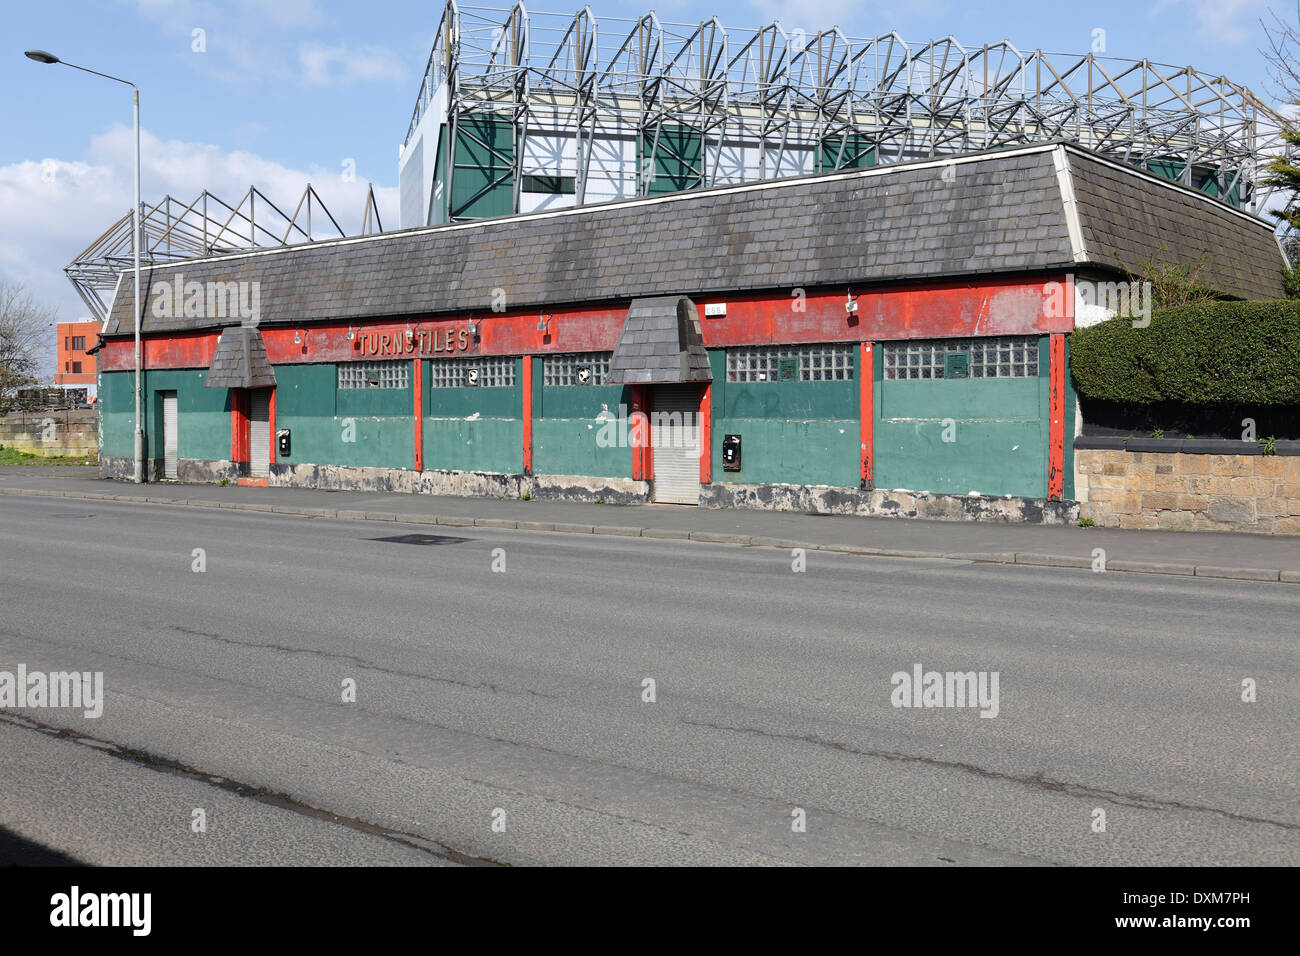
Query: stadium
{"type": "Point", "coordinates": [827, 271]}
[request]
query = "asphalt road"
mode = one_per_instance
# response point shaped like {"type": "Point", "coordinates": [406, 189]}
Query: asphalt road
{"type": "Point", "coordinates": [516, 698]}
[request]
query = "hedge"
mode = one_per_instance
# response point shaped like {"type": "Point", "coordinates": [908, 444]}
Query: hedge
{"type": "Point", "coordinates": [1211, 354]}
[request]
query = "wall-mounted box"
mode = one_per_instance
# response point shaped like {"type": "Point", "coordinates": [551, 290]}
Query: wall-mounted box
{"type": "Point", "coordinates": [731, 453]}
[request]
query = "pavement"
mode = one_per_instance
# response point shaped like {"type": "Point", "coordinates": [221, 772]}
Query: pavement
{"type": "Point", "coordinates": [501, 675]}
{"type": "Point", "coordinates": [1204, 554]}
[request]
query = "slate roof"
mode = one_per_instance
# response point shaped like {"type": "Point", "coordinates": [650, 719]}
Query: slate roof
{"type": "Point", "coordinates": [1128, 223]}
{"type": "Point", "coordinates": [660, 344]}
{"type": "Point", "coordinates": [980, 214]}
{"type": "Point", "coordinates": [240, 361]}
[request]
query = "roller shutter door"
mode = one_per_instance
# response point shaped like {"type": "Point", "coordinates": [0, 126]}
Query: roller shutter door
{"type": "Point", "coordinates": [171, 437]}
{"type": "Point", "coordinates": [259, 438]}
{"type": "Point", "coordinates": [675, 437]}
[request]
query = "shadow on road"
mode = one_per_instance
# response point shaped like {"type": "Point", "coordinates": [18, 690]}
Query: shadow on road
{"type": "Point", "coordinates": [18, 851]}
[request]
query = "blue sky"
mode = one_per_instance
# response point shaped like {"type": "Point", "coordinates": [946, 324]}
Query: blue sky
{"type": "Point", "coordinates": [287, 91]}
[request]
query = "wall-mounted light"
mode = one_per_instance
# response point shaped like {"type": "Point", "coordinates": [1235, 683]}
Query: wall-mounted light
{"type": "Point", "coordinates": [544, 323]}
{"type": "Point", "coordinates": [297, 337]}
{"type": "Point", "coordinates": [850, 303]}
{"type": "Point", "coordinates": [351, 334]}
{"type": "Point", "coordinates": [473, 330]}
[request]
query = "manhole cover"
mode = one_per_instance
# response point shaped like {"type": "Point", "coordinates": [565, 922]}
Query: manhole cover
{"type": "Point", "coordinates": [424, 539]}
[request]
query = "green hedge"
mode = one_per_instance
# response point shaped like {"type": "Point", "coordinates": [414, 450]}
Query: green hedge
{"type": "Point", "coordinates": [1216, 353]}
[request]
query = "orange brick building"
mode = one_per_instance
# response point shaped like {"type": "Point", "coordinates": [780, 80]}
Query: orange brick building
{"type": "Point", "coordinates": [74, 368]}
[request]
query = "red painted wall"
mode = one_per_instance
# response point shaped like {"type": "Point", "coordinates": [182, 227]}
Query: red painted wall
{"type": "Point", "coordinates": [954, 309]}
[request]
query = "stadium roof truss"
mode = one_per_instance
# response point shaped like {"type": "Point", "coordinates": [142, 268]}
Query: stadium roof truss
{"type": "Point", "coordinates": [863, 101]}
{"type": "Point", "coordinates": [172, 231]}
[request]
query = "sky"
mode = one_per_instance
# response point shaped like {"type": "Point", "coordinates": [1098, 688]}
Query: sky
{"type": "Point", "coordinates": [279, 93]}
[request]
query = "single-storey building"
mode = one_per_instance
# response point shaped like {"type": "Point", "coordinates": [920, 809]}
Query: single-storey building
{"type": "Point", "coordinates": [889, 340]}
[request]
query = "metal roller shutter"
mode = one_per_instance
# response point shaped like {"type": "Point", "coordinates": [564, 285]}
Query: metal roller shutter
{"type": "Point", "coordinates": [259, 438]}
{"type": "Point", "coordinates": [171, 439]}
{"type": "Point", "coordinates": [675, 437]}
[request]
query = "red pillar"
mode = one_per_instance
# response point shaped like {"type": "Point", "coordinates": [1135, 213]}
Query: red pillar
{"type": "Point", "coordinates": [239, 425]}
{"type": "Point", "coordinates": [638, 408]}
{"type": "Point", "coordinates": [528, 414]}
{"type": "Point", "coordinates": [866, 410]}
{"type": "Point", "coordinates": [270, 405]}
{"type": "Point", "coordinates": [706, 435]}
{"type": "Point", "coordinates": [418, 379]}
{"type": "Point", "coordinates": [1056, 417]}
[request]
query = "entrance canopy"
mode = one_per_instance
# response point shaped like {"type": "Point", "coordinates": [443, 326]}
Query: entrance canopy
{"type": "Point", "coordinates": [660, 344]}
{"type": "Point", "coordinates": [240, 360]}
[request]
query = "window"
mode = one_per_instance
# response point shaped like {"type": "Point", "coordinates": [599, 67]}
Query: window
{"type": "Point", "coordinates": [488, 371]}
{"type": "Point", "coordinates": [76, 368]}
{"type": "Point", "coordinates": [804, 363]}
{"type": "Point", "coordinates": [565, 185]}
{"type": "Point", "coordinates": [79, 343]}
{"type": "Point", "coordinates": [567, 369]}
{"type": "Point", "coordinates": [374, 374]}
{"type": "Point", "coordinates": [1011, 356]}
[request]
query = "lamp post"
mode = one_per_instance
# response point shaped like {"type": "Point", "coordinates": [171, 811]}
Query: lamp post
{"type": "Point", "coordinates": [40, 56]}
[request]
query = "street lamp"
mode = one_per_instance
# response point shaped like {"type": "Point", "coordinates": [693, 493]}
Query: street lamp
{"type": "Point", "coordinates": [40, 56]}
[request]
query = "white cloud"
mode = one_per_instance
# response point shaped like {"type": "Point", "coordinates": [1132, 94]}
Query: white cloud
{"type": "Point", "coordinates": [323, 65]}
{"type": "Point", "coordinates": [50, 210]}
{"type": "Point", "coordinates": [1223, 22]}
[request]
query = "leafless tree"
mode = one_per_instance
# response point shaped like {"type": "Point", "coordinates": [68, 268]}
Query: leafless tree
{"type": "Point", "coordinates": [24, 335]}
{"type": "Point", "coordinates": [1283, 54]}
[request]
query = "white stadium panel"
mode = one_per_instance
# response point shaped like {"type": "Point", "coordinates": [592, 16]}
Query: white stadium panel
{"type": "Point", "coordinates": [553, 155]}
{"type": "Point", "coordinates": [611, 173]}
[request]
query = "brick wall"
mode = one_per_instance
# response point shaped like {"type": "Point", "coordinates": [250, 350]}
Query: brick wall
{"type": "Point", "coordinates": [1180, 492]}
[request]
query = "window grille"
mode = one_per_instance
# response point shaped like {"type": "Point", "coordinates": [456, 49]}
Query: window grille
{"type": "Point", "coordinates": [564, 369]}
{"type": "Point", "coordinates": [374, 374]}
{"type": "Point", "coordinates": [804, 363]}
{"type": "Point", "coordinates": [493, 371]}
{"type": "Point", "coordinates": [1008, 356]}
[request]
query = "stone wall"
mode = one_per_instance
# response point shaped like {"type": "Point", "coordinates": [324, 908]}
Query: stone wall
{"type": "Point", "coordinates": [58, 433]}
{"type": "Point", "coordinates": [1189, 492]}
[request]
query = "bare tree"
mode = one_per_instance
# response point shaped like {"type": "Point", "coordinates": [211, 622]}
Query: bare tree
{"type": "Point", "coordinates": [1283, 55]}
{"type": "Point", "coordinates": [24, 335]}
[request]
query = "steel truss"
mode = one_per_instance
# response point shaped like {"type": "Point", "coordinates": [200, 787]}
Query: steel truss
{"type": "Point", "coordinates": [854, 100]}
{"type": "Point", "coordinates": [173, 231]}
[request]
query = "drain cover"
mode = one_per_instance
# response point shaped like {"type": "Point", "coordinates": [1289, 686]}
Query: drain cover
{"type": "Point", "coordinates": [425, 539]}
{"type": "Point", "coordinates": [68, 515]}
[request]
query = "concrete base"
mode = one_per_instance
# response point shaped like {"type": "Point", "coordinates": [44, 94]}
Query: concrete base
{"type": "Point", "coordinates": [809, 499]}
{"type": "Point", "coordinates": [880, 503]}
{"type": "Point", "coordinates": [462, 484]}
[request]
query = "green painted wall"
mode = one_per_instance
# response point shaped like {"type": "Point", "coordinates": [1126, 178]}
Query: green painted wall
{"type": "Point", "coordinates": [677, 154]}
{"type": "Point", "coordinates": [117, 414]}
{"type": "Point", "coordinates": [567, 430]}
{"type": "Point", "coordinates": [203, 420]}
{"type": "Point", "coordinates": [791, 432]}
{"type": "Point", "coordinates": [488, 444]}
{"type": "Point", "coordinates": [370, 427]}
{"type": "Point", "coordinates": [482, 182]}
{"type": "Point", "coordinates": [1000, 433]}
{"type": "Point", "coordinates": [475, 429]}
